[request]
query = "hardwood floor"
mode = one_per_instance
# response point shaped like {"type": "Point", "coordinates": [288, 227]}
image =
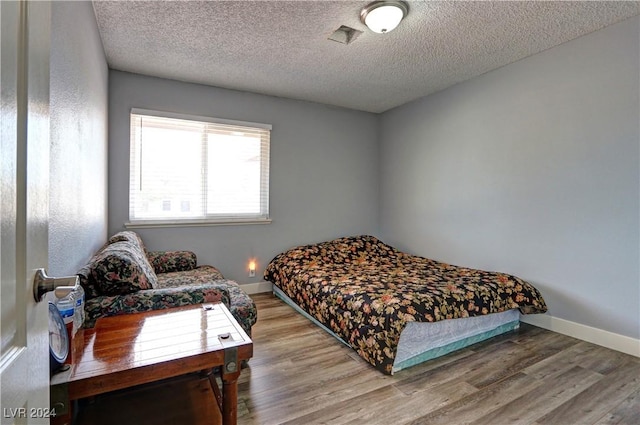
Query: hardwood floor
{"type": "Point", "coordinates": [301, 375]}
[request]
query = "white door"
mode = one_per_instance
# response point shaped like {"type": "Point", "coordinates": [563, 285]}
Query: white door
{"type": "Point", "coordinates": [24, 207]}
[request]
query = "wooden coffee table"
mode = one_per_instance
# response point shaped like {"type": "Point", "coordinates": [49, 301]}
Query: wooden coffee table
{"type": "Point", "coordinates": [133, 349]}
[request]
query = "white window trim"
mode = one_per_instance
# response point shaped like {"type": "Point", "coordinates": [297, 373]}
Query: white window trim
{"type": "Point", "coordinates": [175, 115]}
{"type": "Point", "coordinates": [220, 221]}
{"type": "Point", "coordinates": [146, 224]}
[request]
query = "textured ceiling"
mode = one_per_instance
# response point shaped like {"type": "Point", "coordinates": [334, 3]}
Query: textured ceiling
{"type": "Point", "coordinates": [281, 48]}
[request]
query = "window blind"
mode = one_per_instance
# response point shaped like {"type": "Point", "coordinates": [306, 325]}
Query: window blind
{"type": "Point", "coordinates": [197, 169]}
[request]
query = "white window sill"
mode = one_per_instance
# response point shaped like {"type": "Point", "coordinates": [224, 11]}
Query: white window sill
{"type": "Point", "coordinates": [141, 224]}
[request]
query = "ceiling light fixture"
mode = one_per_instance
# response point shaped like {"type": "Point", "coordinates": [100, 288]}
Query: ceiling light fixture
{"type": "Point", "coordinates": [383, 16]}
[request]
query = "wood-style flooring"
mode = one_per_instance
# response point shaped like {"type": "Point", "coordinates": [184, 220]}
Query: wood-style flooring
{"type": "Point", "coordinates": [301, 375]}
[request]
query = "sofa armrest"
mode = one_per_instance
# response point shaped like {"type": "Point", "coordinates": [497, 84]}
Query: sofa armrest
{"type": "Point", "coordinates": [154, 299]}
{"type": "Point", "coordinates": [172, 261]}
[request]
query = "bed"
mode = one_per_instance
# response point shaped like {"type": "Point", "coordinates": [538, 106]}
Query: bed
{"type": "Point", "coordinates": [395, 309]}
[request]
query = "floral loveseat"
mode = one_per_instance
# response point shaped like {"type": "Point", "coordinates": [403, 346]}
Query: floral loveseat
{"type": "Point", "coordinates": [123, 277]}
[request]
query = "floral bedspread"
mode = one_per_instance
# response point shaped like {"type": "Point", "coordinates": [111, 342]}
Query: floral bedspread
{"type": "Point", "coordinates": [367, 291]}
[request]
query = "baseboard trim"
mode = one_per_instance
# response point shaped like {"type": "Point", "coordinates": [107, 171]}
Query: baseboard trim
{"type": "Point", "coordinates": [256, 287]}
{"type": "Point", "coordinates": [596, 336]}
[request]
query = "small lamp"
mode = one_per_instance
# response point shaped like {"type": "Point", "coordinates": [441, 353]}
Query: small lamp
{"type": "Point", "coordinates": [252, 268]}
{"type": "Point", "coordinates": [383, 16]}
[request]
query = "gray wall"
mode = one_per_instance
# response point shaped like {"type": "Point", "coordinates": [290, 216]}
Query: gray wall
{"type": "Point", "coordinates": [323, 179]}
{"type": "Point", "coordinates": [78, 156]}
{"type": "Point", "coordinates": [532, 169]}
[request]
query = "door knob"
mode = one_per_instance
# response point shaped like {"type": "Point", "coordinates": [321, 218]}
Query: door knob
{"type": "Point", "coordinates": [43, 283]}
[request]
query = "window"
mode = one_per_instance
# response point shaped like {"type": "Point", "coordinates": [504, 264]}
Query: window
{"type": "Point", "coordinates": [196, 170]}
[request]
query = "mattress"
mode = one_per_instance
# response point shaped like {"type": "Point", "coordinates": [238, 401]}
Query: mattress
{"type": "Point", "coordinates": [423, 341]}
{"type": "Point", "coordinates": [367, 292]}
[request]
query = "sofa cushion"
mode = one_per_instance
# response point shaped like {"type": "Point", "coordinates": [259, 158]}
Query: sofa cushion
{"type": "Point", "coordinates": [121, 268]}
{"type": "Point", "coordinates": [199, 275]}
{"type": "Point", "coordinates": [172, 261]}
{"type": "Point", "coordinates": [154, 299]}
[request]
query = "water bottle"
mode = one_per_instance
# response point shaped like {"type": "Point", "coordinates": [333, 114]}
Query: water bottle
{"type": "Point", "coordinates": [78, 313]}
{"type": "Point", "coordinates": [66, 304]}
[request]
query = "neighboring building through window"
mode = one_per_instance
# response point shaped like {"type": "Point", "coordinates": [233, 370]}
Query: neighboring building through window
{"type": "Point", "coordinates": [197, 170]}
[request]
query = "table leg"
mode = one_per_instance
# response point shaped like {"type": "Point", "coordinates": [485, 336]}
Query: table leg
{"type": "Point", "coordinates": [230, 398]}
